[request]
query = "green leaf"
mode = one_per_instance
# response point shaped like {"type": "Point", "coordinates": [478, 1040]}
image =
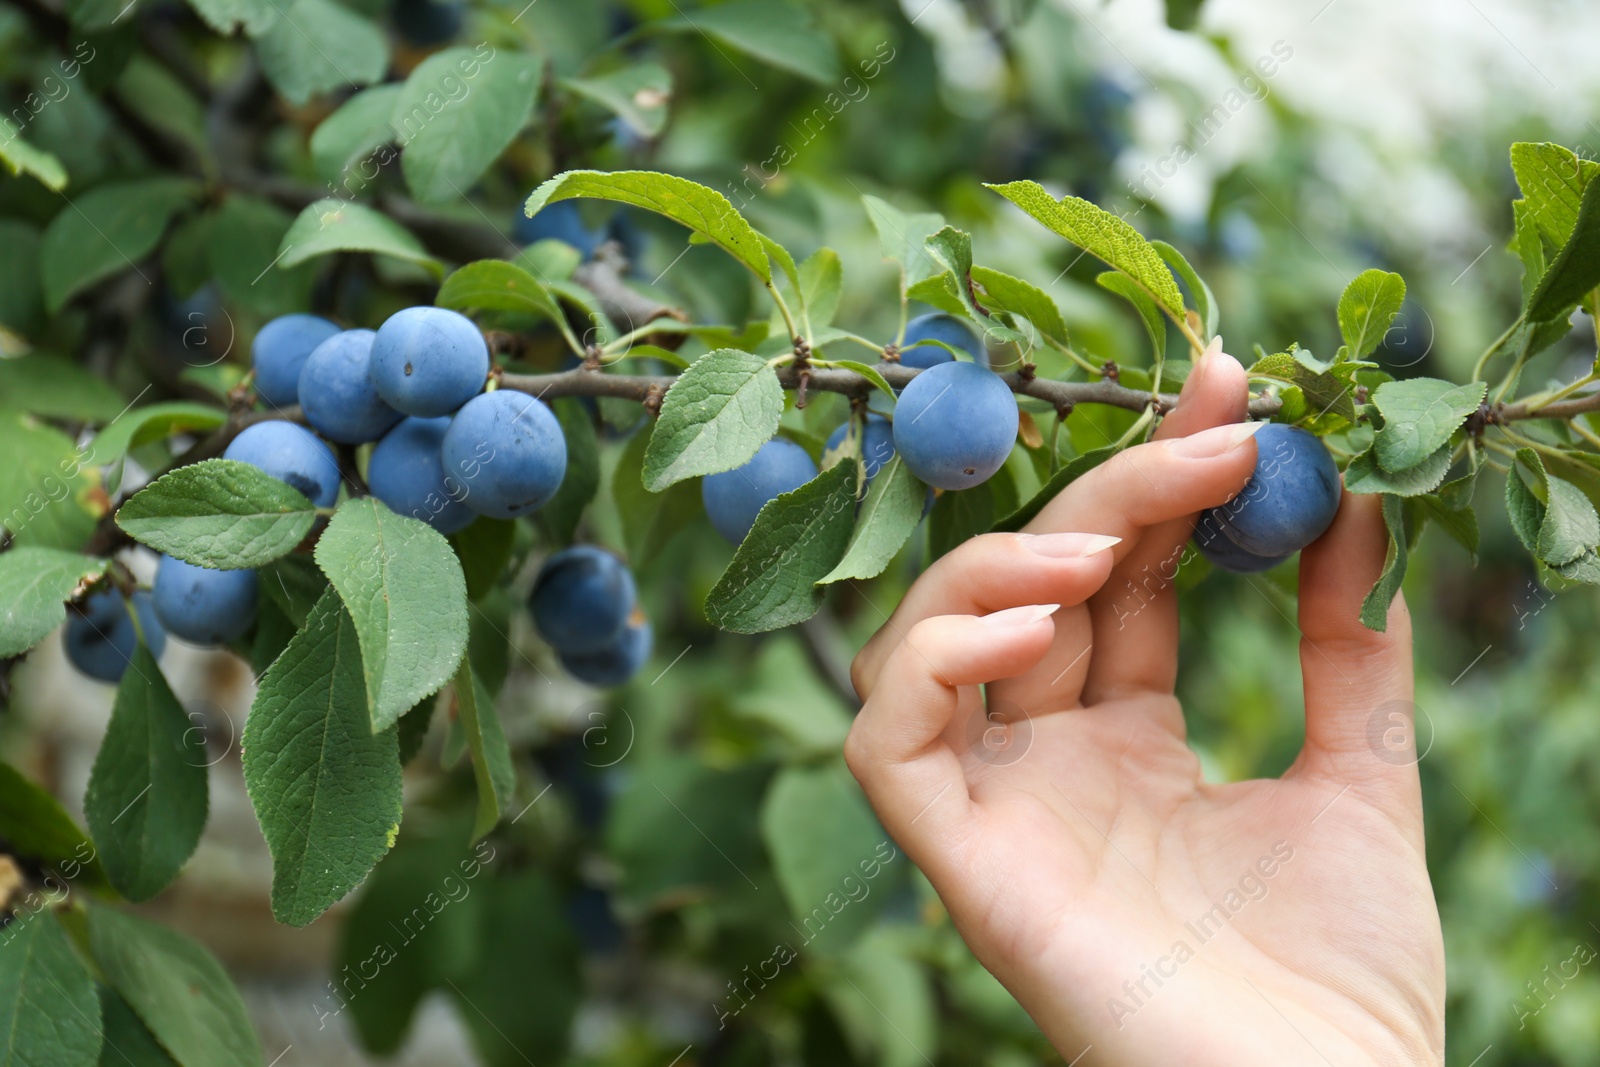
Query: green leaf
{"type": "Point", "coordinates": [562, 513]}
{"type": "Point", "coordinates": [20, 157]}
{"type": "Point", "coordinates": [1575, 271]}
{"type": "Point", "coordinates": [1155, 327]}
{"type": "Point", "coordinates": [1205, 301]}
{"type": "Point", "coordinates": [244, 240]}
{"type": "Point", "coordinates": [295, 584]}
{"type": "Point", "coordinates": [649, 520]}
{"type": "Point", "coordinates": [1102, 235]}
{"type": "Point", "coordinates": [777, 33]}
{"type": "Point", "coordinates": [1419, 417]}
{"type": "Point", "coordinates": [219, 513]}
{"type": "Point", "coordinates": [56, 388]}
{"type": "Point", "coordinates": [888, 516]}
{"type": "Point", "coordinates": [867, 371]}
{"type": "Point", "coordinates": [1367, 307]}
{"type": "Point", "coordinates": [704, 211]}
{"type": "Point", "coordinates": [904, 237]}
{"type": "Point", "coordinates": [819, 830]}
{"type": "Point", "coordinates": [784, 695]}
{"type": "Point", "coordinates": [36, 827]}
{"type": "Point", "coordinates": [822, 285]}
{"type": "Point", "coordinates": [1076, 468]}
{"type": "Point", "coordinates": [106, 231]}
{"type": "Point", "coordinates": [958, 516]}
{"type": "Point", "coordinates": [1523, 508]}
{"type": "Point", "coordinates": [317, 46]}
{"type": "Point", "coordinates": [637, 93]}
{"type": "Point", "coordinates": [147, 799]}
{"type": "Point", "coordinates": [1552, 180]}
{"type": "Point", "coordinates": [351, 136]}
{"type": "Point", "coordinates": [226, 16]}
{"type": "Point", "coordinates": [450, 140]}
{"type": "Point", "coordinates": [128, 1042]}
{"type": "Point", "coordinates": [143, 426]}
{"type": "Point", "coordinates": [45, 486]}
{"type": "Point", "coordinates": [1366, 475]}
{"type": "Point", "coordinates": [953, 249]}
{"type": "Point", "coordinates": [49, 1013]}
{"type": "Point", "coordinates": [1375, 608]}
{"type": "Point", "coordinates": [1002, 292]}
{"type": "Point", "coordinates": [21, 299]}
{"type": "Point", "coordinates": [1570, 528]}
{"type": "Point", "coordinates": [338, 226]}
{"type": "Point", "coordinates": [177, 989]}
{"type": "Point", "coordinates": [1528, 245]}
{"type": "Point", "coordinates": [495, 285]}
{"type": "Point", "coordinates": [404, 589]}
{"type": "Point", "coordinates": [1327, 389]}
{"type": "Point", "coordinates": [491, 756]}
{"type": "Point", "coordinates": [35, 584]}
{"type": "Point", "coordinates": [715, 417]}
{"type": "Point", "coordinates": [483, 549]}
{"type": "Point", "coordinates": [1451, 509]}
{"type": "Point", "coordinates": [797, 540]}
{"type": "Point", "coordinates": [325, 788]}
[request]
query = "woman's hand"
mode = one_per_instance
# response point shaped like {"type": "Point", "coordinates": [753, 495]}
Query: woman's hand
{"type": "Point", "coordinates": [1141, 915]}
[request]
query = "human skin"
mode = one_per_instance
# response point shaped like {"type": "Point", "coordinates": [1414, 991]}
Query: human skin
{"type": "Point", "coordinates": [1077, 860]}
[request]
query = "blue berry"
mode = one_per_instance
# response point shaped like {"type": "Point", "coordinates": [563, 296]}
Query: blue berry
{"type": "Point", "coordinates": [616, 662]}
{"type": "Point", "coordinates": [506, 448]}
{"type": "Point", "coordinates": [877, 443]}
{"type": "Point", "coordinates": [734, 498]}
{"type": "Point", "coordinates": [279, 351]}
{"type": "Point", "coordinates": [203, 606]}
{"type": "Point", "coordinates": [582, 599]}
{"type": "Point", "coordinates": [336, 393]}
{"type": "Point", "coordinates": [100, 639]}
{"type": "Point", "coordinates": [955, 424]}
{"type": "Point", "coordinates": [428, 361]}
{"type": "Point", "coordinates": [1215, 546]}
{"type": "Point", "coordinates": [290, 453]}
{"type": "Point", "coordinates": [1290, 499]}
{"type": "Point", "coordinates": [560, 221]}
{"type": "Point", "coordinates": [940, 327]}
{"type": "Point", "coordinates": [407, 473]}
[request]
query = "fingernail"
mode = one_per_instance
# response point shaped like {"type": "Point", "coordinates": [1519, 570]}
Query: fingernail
{"type": "Point", "coordinates": [1215, 441]}
{"type": "Point", "coordinates": [1023, 616]}
{"type": "Point", "coordinates": [1069, 545]}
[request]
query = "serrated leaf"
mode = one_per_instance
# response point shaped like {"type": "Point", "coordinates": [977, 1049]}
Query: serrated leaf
{"type": "Point", "coordinates": [450, 140]}
{"type": "Point", "coordinates": [952, 249]}
{"type": "Point", "coordinates": [1103, 235]}
{"type": "Point", "coordinates": [821, 286]}
{"type": "Point", "coordinates": [904, 237]}
{"type": "Point", "coordinates": [35, 584]}
{"type": "Point", "coordinates": [1076, 468]}
{"type": "Point", "coordinates": [637, 93]}
{"type": "Point", "coordinates": [106, 231]}
{"type": "Point", "coordinates": [325, 788]}
{"type": "Point", "coordinates": [1205, 302]}
{"type": "Point", "coordinates": [226, 16]}
{"type": "Point", "coordinates": [1451, 509]}
{"type": "Point", "coordinates": [777, 33]}
{"type": "Point", "coordinates": [1552, 180]}
{"type": "Point", "coordinates": [581, 481]}
{"type": "Point", "coordinates": [141, 426]}
{"type": "Point", "coordinates": [1367, 307]}
{"type": "Point", "coordinates": [1375, 607]}
{"type": "Point", "coordinates": [128, 1042]}
{"type": "Point", "coordinates": [816, 823]}
{"type": "Point", "coordinates": [36, 827]}
{"type": "Point", "coordinates": [177, 988]}
{"type": "Point", "coordinates": [1419, 417]}
{"type": "Point", "coordinates": [49, 1013]}
{"type": "Point", "coordinates": [1366, 475]}
{"type": "Point", "coordinates": [1523, 507]}
{"type": "Point", "coordinates": [491, 756]}
{"type": "Point", "coordinates": [403, 587]}
{"type": "Point", "coordinates": [317, 46]}
{"type": "Point", "coordinates": [1570, 527]}
{"type": "Point", "coordinates": [797, 539]}
{"type": "Point", "coordinates": [352, 135]}
{"type": "Point", "coordinates": [20, 157]}
{"type": "Point", "coordinates": [147, 798]}
{"type": "Point", "coordinates": [1575, 271]}
{"type": "Point", "coordinates": [1528, 245]}
{"type": "Point", "coordinates": [704, 211]}
{"type": "Point", "coordinates": [333, 225]}
{"type": "Point", "coordinates": [495, 285]}
{"type": "Point", "coordinates": [889, 514]}
{"type": "Point", "coordinates": [1155, 327]}
{"type": "Point", "coordinates": [219, 513]}
{"type": "Point", "coordinates": [1325, 389]}
{"type": "Point", "coordinates": [56, 388]}
{"type": "Point", "coordinates": [716, 416]}
{"type": "Point", "coordinates": [45, 488]}
{"type": "Point", "coordinates": [1002, 292]}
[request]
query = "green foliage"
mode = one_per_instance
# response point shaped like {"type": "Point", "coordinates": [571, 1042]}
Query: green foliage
{"type": "Point", "coordinates": [714, 418]}
{"type": "Point", "coordinates": [48, 1009]}
{"type": "Point", "coordinates": [486, 740]}
{"type": "Point", "coordinates": [1366, 308]}
{"type": "Point", "coordinates": [35, 584]}
{"type": "Point", "coordinates": [889, 515]}
{"type": "Point", "coordinates": [219, 513]}
{"type": "Point", "coordinates": [449, 143]}
{"type": "Point", "coordinates": [339, 226]}
{"type": "Point", "coordinates": [111, 229]}
{"type": "Point", "coordinates": [36, 827]}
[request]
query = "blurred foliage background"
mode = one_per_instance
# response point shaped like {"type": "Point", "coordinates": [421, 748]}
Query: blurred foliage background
{"type": "Point", "coordinates": [677, 828]}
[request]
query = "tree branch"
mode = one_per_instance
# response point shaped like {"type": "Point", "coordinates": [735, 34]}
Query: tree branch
{"type": "Point", "coordinates": [1561, 409]}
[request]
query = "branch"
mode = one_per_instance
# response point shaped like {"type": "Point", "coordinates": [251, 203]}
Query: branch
{"type": "Point", "coordinates": [643, 389]}
{"type": "Point", "coordinates": [1561, 409]}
